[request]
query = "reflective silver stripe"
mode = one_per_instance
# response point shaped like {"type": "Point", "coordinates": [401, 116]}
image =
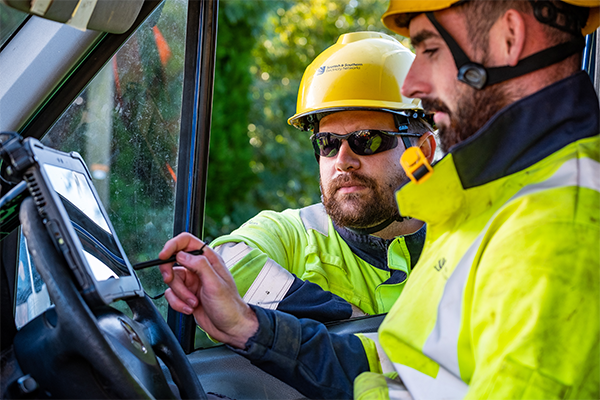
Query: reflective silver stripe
{"type": "Point", "coordinates": [232, 252]}
{"type": "Point", "coordinates": [442, 343]}
{"type": "Point", "coordinates": [270, 286]}
{"type": "Point", "coordinates": [589, 176]}
{"type": "Point", "coordinates": [423, 387]}
{"type": "Point", "coordinates": [384, 361]}
{"type": "Point", "coordinates": [397, 391]}
{"type": "Point", "coordinates": [314, 217]}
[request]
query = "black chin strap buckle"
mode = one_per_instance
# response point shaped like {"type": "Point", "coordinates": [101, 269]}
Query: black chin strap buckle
{"type": "Point", "coordinates": [473, 74]}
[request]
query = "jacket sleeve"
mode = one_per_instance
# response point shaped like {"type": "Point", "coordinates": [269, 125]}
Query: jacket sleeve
{"type": "Point", "coordinates": [263, 255]}
{"type": "Point", "coordinates": [535, 332]}
{"type": "Point", "coordinates": [305, 299]}
{"type": "Point", "coordinates": [303, 354]}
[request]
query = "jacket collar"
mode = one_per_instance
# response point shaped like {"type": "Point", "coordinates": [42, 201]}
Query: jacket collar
{"type": "Point", "coordinates": [529, 130]}
{"type": "Point", "coordinates": [517, 137]}
{"type": "Point", "coordinates": [374, 250]}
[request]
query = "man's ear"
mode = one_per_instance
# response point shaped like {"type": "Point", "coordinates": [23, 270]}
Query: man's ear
{"type": "Point", "coordinates": [428, 145]}
{"type": "Point", "coordinates": [507, 38]}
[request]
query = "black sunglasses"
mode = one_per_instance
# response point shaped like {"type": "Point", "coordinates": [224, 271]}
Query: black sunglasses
{"type": "Point", "coordinates": [363, 142]}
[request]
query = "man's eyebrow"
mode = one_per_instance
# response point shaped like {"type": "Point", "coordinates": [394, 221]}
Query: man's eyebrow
{"type": "Point", "coordinates": [422, 36]}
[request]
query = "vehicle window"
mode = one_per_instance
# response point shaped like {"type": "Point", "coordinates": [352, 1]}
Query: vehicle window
{"type": "Point", "coordinates": [125, 124]}
{"type": "Point", "coordinates": [263, 48]}
{"type": "Point", "coordinates": [10, 20]}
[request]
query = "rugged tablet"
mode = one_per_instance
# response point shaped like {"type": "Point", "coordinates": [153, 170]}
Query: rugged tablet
{"type": "Point", "coordinates": [75, 218]}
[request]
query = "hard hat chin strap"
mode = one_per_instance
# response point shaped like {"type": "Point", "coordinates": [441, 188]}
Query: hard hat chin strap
{"type": "Point", "coordinates": [478, 77]}
{"type": "Point", "coordinates": [379, 227]}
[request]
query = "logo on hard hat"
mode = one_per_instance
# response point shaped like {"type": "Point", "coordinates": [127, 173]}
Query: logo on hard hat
{"type": "Point", "coordinates": [337, 68]}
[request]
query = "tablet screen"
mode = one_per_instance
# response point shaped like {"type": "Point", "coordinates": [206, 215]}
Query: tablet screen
{"type": "Point", "coordinates": [99, 246]}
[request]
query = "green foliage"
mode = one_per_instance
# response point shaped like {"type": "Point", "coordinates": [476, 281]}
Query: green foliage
{"type": "Point", "coordinates": [145, 133]}
{"type": "Point", "coordinates": [229, 176]}
{"type": "Point", "coordinates": [257, 160]}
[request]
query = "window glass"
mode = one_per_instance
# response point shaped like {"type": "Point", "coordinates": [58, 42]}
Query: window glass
{"type": "Point", "coordinates": [125, 124]}
{"type": "Point", "coordinates": [10, 20]}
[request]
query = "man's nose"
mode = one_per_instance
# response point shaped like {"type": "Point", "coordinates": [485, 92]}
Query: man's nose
{"type": "Point", "coordinates": [346, 159]}
{"type": "Point", "coordinates": [415, 86]}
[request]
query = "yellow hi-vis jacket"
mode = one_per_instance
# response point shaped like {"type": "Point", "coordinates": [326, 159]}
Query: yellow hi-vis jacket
{"type": "Point", "coordinates": [287, 260]}
{"type": "Point", "coordinates": [504, 302]}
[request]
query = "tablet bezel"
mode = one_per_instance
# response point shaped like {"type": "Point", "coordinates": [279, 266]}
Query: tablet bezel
{"type": "Point", "coordinates": [58, 223]}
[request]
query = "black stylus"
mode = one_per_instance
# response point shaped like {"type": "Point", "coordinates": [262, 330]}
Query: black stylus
{"type": "Point", "coordinates": [158, 261]}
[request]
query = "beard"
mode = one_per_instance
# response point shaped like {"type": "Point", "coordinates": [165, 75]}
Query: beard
{"type": "Point", "coordinates": [361, 210]}
{"type": "Point", "coordinates": [472, 110]}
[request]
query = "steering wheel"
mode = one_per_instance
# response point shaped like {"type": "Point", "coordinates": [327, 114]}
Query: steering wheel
{"type": "Point", "coordinates": [73, 351]}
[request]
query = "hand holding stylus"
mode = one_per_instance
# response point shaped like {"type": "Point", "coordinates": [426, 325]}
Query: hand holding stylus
{"type": "Point", "coordinates": [203, 286]}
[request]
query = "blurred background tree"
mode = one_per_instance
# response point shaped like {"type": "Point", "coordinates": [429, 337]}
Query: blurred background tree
{"type": "Point", "coordinates": [258, 161]}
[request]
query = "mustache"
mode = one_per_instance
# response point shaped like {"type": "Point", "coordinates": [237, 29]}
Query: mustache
{"type": "Point", "coordinates": [433, 105]}
{"type": "Point", "coordinates": [351, 177]}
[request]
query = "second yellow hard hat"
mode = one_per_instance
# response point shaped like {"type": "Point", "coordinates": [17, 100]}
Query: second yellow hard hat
{"type": "Point", "coordinates": [362, 70]}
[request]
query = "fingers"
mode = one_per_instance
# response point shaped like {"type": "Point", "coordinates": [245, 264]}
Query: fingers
{"type": "Point", "coordinates": [218, 308]}
{"type": "Point", "coordinates": [204, 269]}
{"type": "Point", "coordinates": [182, 242]}
{"type": "Point", "coordinates": [184, 287]}
{"type": "Point", "coordinates": [176, 303]}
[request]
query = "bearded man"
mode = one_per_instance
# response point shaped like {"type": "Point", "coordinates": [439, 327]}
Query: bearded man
{"type": "Point", "coordinates": [351, 254]}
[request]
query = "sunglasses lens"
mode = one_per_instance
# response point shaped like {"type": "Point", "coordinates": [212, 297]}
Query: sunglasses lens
{"type": "Point", "coordinates": [367, 142]}
{"type": "Point", "coordinates": [362, 143]}
{"type": "Point", "coordinates": [326, 145]}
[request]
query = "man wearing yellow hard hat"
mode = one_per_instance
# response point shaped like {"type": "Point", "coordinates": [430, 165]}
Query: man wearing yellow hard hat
{"type": "Point", "coordinates": [504, 301]}
{"type": "Point", "coordinates": [350, 254]}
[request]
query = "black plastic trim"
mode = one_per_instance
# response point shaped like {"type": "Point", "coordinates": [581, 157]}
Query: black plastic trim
{"type": "Point", "coordinates": [194, 139]}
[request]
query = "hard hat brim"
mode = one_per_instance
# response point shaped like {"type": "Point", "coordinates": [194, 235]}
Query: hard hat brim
{"type": "Point", "coordinates": [411, 6]}
{"type": "Point", "coordinates": [298, 120]}
{"type": "Point", "coordinates": [397, 8]}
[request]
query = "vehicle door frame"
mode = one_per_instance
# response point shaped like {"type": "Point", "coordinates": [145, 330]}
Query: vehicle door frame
{"type": "Point", "coordinates": [198, 83]}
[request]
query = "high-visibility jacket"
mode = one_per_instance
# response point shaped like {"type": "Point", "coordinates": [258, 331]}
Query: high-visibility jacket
{"type": "Point", "coordinates": [505, 301]}
{"type": "Point", "coordinates": [297, 261]}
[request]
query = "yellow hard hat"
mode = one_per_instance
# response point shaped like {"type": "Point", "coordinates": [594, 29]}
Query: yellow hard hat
{"type": "Point", "coordinates": [396, 18]}
{"type": "Point", "coordinates": [362, 70]}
